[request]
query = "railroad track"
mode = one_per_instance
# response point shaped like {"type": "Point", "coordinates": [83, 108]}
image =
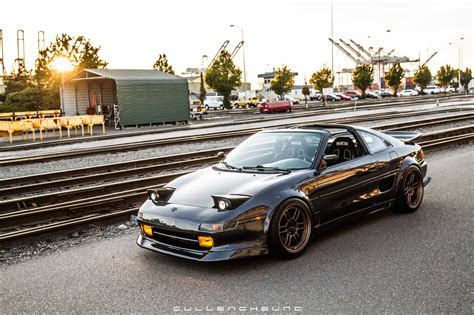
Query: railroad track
{"type": "Point", "coordinates": [28, 217]}
{"type": "Point", "coordinates": [227, 134]}
{"type": "Point", "coordinates": [318, 110]}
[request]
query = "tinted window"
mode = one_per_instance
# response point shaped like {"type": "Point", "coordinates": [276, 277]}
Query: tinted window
{"type": "Point", "coordinates": [374, 143]}
{"type": "Point", "coordinates": [289, 150]}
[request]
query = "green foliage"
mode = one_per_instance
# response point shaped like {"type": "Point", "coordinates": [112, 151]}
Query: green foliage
{"type": "Point", "coordinates": [79, 51]}
{"type": "Point", "coordinates": [161, 64]}
{"type": "Point", "coordinates": [7, 108]}
{"type": "Point", "coordinates": [31, 99]}
{"type": "Point", "coordinates": [322, 79]}
{"type": "Point", "coordinates": [16, 82]}
{"type": "Point", "coordinates": [445, 75]}
{"type": "Point", "coordinates": [202, 90]}
{"type": "Point", "coordinates": [223, 76]}
{"type": "Point", "coordinates": [466, 77]}
{"type": "Point", "coordinates": [422, 77]}
{"type": "Point", "coordinates": [28, 99]}
{"type": "Point", "coordinates": [283, 81]}
{"type": "Point", "coordinates": [394, 77]}
{"type": "Point", "coordinates": [305, 90]}
{"type": "Point", "coordinates": [362, 77]}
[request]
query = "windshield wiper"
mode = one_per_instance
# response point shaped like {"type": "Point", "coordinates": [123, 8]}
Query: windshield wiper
{"type": "Point", "coordinates": [231, 166]}
{"type": "Point", "coordinates": [267, 168]}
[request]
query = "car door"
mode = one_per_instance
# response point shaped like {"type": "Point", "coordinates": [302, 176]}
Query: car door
{"type": "Point", "coordinates": [388, 163]}
{"type": "Point", "coordinates": [346, 187]}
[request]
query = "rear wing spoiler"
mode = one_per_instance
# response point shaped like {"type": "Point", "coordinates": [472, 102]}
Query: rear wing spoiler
{"type": "Point", "coordinates": [405, 136]}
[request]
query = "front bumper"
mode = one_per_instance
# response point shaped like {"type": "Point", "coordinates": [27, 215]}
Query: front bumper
{"type": "Point", "coordinates": [220, 253]}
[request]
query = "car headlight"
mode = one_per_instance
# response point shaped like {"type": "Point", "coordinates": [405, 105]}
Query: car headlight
{"type": "Point", "coordinates": [159, 195]}
{"type": "Point", "coordinates": [229, 202]}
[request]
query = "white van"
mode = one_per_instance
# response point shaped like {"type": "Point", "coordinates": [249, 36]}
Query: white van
{"type": "Point", "coordinates": [214, 102]}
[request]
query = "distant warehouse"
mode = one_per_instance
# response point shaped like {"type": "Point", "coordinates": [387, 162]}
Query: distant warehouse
{"type": "Point", "coordinates": [143, 96]}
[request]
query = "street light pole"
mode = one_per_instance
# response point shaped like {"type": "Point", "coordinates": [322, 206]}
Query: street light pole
{"type": "Point", "coordinates": [243, 58]}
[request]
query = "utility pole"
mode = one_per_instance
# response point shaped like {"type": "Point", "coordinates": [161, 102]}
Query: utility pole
{"type": "Point", "coordinates": [243, 57]}
{"type": "Point", "coordinates": [332, 38]}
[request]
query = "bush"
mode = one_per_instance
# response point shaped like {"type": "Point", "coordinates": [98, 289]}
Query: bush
{"type": "Point", "coordinates": [32, 98]}
{"type": "Point", "coordinates": [5, 108]}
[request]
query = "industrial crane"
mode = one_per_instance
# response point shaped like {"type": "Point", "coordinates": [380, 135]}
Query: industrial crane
{"type": "Point", "coordinates": [223, 46]}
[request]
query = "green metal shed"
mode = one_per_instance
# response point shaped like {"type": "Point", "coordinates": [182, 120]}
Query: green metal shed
{"type": "Point", "coordinates": [143, 96]}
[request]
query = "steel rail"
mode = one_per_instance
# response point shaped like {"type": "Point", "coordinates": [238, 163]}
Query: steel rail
{"type": "Point", "coordinates": [114, 213]}
{"type": "Point", "coordinates": [188, 139]}
{"type": "Point", "coordinates": [320, 110]}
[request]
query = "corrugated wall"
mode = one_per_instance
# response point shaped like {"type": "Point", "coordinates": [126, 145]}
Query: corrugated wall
{"type": "Point", "coordinates": [83, 95]}
{"type": "Point", "coordinates": [68, 100]}
{"type": "Point", "coordinates": [152, 101]}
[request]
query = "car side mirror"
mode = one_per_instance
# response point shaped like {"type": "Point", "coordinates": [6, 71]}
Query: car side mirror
{"type": "Point", "coordinates": [221, 154]}
{"type": "Point", "coordinates": [327, 160]}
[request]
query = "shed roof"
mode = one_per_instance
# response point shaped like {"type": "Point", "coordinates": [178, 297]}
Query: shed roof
{"type": "Point", "coordinates": [125, 74]}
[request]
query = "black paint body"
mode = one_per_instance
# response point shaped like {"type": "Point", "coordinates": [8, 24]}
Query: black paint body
{"type": "Point", "coordinates": [365, 184]}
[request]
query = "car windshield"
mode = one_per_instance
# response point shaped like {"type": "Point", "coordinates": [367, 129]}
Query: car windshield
{"type": "Point", "coordinates": [275, 151]}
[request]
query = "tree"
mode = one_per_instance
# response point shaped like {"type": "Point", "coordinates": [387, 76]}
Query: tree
{"type": "Point", "coordinates": [15, 82]}
{"type": "Point", "coordinates": [202, 90]}
{"type": "Point", "coordinates": [394, 77]}
{"type": "Point", "coordinates": [322, 79]}
{"type": "Point", "coordinates": [422, 77]}
{"type": "Point", "coordinates": [466, 77]}
{"type": "Point", "coordinates": [283, 81]}
{"type": "Point", "coordinates": [362, 77]}
{"type": "Point", "coordinates": [79, 52]}
{"type": "Point", "coordinates": [161, 64]}
{"type": "Point", "coordinates": [445, 75]}
{"type": "Point", "coordinates": [306, 92]}
{"type": "Point", "coordinates": [223, 76]}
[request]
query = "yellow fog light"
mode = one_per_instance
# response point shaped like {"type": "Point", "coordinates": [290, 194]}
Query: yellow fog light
{"type": "Point", "coordinates": [147, 230]}
{"type": "Point", "coordinates": [205, 241]}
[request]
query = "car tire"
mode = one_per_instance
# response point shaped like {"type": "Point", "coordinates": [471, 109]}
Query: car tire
{"type": "Point", "coordinates": [411, 191]}
{"type": "Point", "coordinates": [221, 107]}
{"type": "Point", "coordinates": [296, 216]}
{"type": "Point", "coordinates": [206, 107]}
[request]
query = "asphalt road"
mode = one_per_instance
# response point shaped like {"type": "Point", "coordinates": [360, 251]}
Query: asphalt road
{"type": "Point", "coordinates": [388, 262]}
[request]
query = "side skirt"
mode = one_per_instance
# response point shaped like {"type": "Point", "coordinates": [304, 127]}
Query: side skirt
{"type": "Point", "coordinates": [353, 215]}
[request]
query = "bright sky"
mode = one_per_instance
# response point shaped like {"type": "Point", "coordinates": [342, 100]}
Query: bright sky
{"type": "Point", "coordinates": [133, 33]}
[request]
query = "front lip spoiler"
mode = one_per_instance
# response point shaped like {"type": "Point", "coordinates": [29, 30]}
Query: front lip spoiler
{"type": "Point", "coordinates": [225, 253]}
{"type": "Point", "coordinates": [426, 180]}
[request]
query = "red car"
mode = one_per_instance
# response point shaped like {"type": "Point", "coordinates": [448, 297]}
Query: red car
{"type": "Point", "coordinates": [352, 94]}
{"type": "Point", "coordinates": [275, 106]}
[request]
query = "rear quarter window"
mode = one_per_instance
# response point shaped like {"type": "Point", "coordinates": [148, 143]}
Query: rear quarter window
{"type": "Point", "coordinates": [374, 144]}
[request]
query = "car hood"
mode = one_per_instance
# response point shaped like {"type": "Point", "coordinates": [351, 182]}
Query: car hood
{"type": "Point", "coordinates": [197, 188]}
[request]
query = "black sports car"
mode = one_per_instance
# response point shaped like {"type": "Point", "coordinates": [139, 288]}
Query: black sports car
{"type": "Point", "coordinates": [278, 187]}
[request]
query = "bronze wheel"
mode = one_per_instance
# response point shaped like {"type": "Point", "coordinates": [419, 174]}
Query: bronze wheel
{"type": "Point", "coordinates": [410, 194]}
{"type": "Point", "coordinates": [290, 229]}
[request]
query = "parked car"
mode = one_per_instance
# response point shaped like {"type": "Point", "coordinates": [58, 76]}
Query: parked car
{"type": "Point", "coordinates": [278, 188]}
{"type": "Point", "coordinates": [408, 92]}
{"type": "Point", "coordinates": [275, 106]}
{"type": "Point", "coordinates": [332, 97]}
{"type": "Point", "coordinates": [292, 99]}
{"type": "Point", "coordinates": [253, 101]}
{"type": "Point", "coordinates": [343, 97]}
{"type": "Point", "coordinates": [432, 89]}
{"type": "Point", "coordinates": [386, 93]}
{"type": "Point", "coordinates": [214, 102]}
{"type": "Point", "coordinates": [449, 89]}
{"type": "Point", "coordinates": [372, 94]}
{"type": "Point", "coordinates": [354, 95]}
{"type": "Point", "coordinates": [316, 96]}
{"type": "Point", "coordinates": [239, 104]}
